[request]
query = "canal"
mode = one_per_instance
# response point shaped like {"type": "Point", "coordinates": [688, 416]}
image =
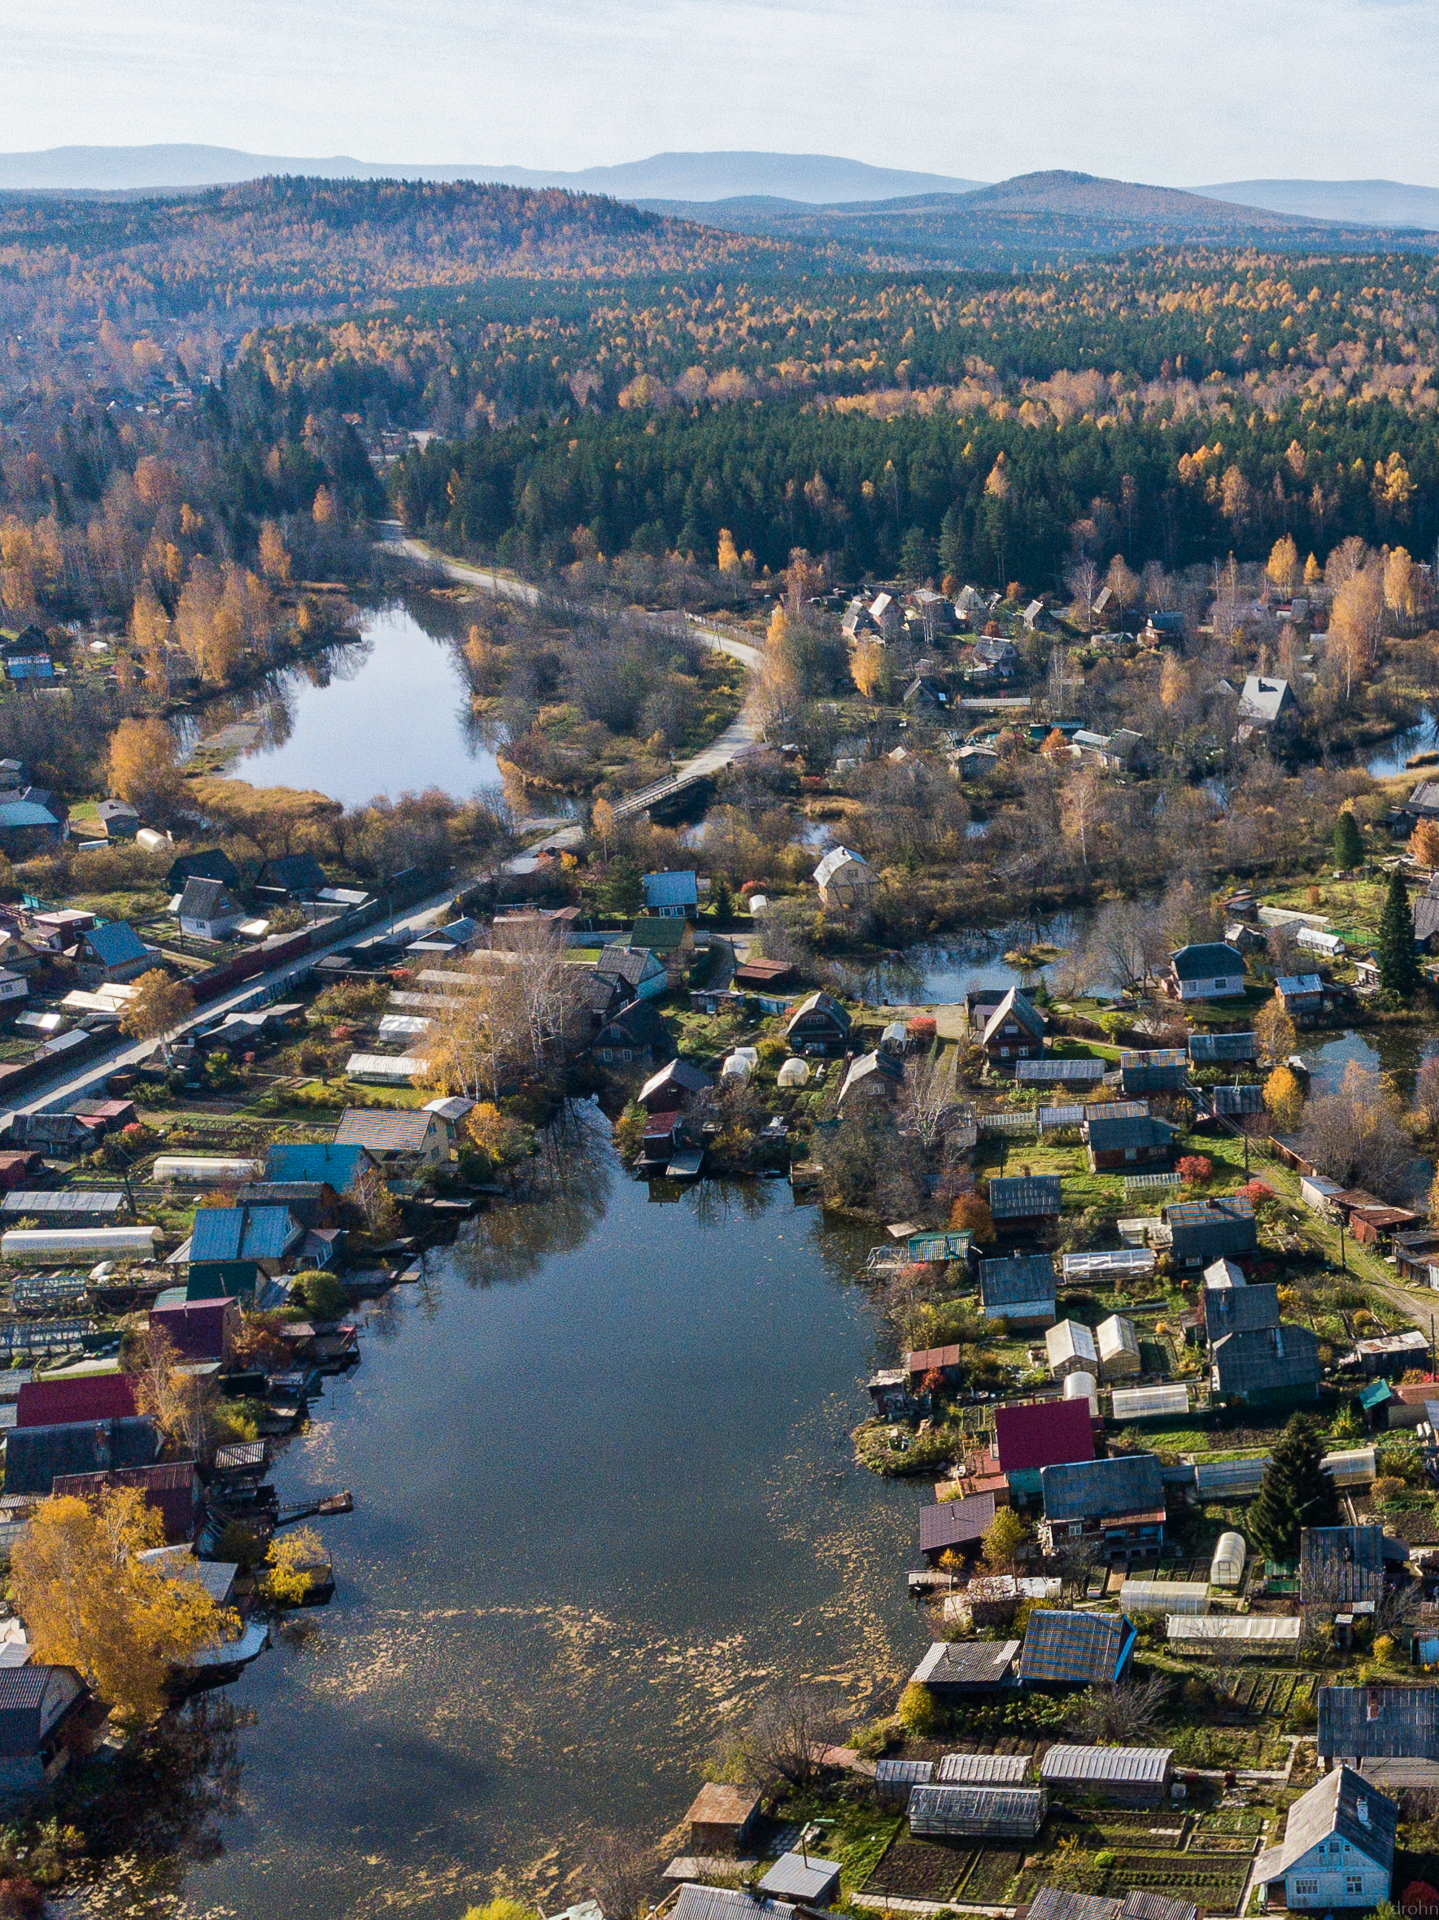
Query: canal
{"type": "Point", "coordinates": [604, 1498]}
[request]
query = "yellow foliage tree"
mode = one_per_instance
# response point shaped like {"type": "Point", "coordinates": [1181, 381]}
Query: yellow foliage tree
{"type": "Point", "coordinates": [274, 555]}
{"type": "Point", "coordinates": [728, 560]}
{"type": "Point", "coordinates": [324, 512]}
{"type": "Point", "coordinates": [1283, 564]}
{"type": "Point", "coordinates": [1313, 572]}
{"type": "Point", "coordinates": [1274, 1032]}
{"type": "Point", "coordinates": [1284, 1098]}
{"type": "Point", "coordinates": [143, 764]}
{"type": "Point", "coordinates": [286, 1572]}
{"type": "Point", "coordinates": [1173, 682]}
{"type": "Point", "coordinates": [1003, 1538]}
{"type": "Point", "coordinates": [1424, 843]}
{"type": "Point", "coordinates": [89, 1601]}
{"type": "Point", "coordinates": [157, 1007]}
{"type": "Point", "coordinates": [868, 667]}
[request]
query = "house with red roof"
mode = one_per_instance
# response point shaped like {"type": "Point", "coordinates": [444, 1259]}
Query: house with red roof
{"type": "Point", "coordinates": [1045, 1433]}
{"type": "Point", "coordinates": [83, 1396]}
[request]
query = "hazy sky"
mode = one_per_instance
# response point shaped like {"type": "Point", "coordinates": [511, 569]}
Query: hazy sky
{"type": "Point", "coordinates": [1175, 91]}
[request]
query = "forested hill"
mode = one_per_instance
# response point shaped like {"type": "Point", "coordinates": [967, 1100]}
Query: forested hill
{"type": "Point", "coordinates": [283, 246]}
{"type": "Point", "coordinates": [1036, 219]}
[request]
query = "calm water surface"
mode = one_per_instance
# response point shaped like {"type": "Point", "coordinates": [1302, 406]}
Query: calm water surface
{"type": "Point", "coordinates": [604, 1495]}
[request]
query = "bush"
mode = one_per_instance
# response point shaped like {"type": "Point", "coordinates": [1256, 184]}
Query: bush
{"type": "Point", "coordinates": [919, 1711]}
{"type": "Point", "coordinates": [321, 1294]}
{"type": "Point", "coordinates": [1195, 1169]}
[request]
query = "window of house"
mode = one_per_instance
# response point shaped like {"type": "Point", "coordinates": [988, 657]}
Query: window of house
{"type": "Point", "coordinates": [1354, 1883]}
{"type": "Point", "coordinates": [1303, 1889]}
{"type": "Point", "coordinates": [1131, 1153]}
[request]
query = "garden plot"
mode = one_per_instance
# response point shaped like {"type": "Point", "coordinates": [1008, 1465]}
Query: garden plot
{"type": "Point", "coordinates": [922, 1869]}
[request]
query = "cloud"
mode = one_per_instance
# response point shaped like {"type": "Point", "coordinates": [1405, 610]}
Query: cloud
{"type": "Point", "coordinates": [1186, 91]}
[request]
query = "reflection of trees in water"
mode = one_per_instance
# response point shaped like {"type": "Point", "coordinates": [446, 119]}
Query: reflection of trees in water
{"type": "Point", "coordinates": [568, 1189]}
{"type": "Point", "coordinates": [155, 1810]}
{"type": "Point", "coordinates": [716, 1202]}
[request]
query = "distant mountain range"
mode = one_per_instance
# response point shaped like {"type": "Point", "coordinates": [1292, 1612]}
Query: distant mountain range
{"type": "Point", "coordinates": [1370, 203]}
{"type": "Point", "coordinates": [804, 177]}
{"type": "Point", "coordinates": [1034, 219]}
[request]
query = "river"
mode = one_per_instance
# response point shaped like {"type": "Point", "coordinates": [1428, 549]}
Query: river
{"type": "Point", "coordinates": [604, 1495]}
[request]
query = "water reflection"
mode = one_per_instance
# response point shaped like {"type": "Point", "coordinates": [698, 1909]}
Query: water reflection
{"type": "Point", "coordinates": [1394, 754]}
{"type": "Point", "coordinates": [935, 974]}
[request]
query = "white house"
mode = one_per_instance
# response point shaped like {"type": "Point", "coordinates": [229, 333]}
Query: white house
{"type": "Point", "coordinates": [1208, 970]}
{"type": "Point", "coordinates": [1337, 1850]}
{"type": "Point", "coordinates": [845, 879]}
{"type": "Point", "coordinates": [207, 910]}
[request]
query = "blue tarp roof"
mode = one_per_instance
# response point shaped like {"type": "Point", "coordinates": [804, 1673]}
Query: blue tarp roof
{"type": "Point", "coordinates": [242, 1233]}
{"type": "Point", "coordinates": [337, 1166]}
{"type": "Point", "coordinates": [115, 944]}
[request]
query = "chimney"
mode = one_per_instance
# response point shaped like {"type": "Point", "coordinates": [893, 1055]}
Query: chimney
{"type": "Point", "coordinates": [1371, 1704]}
{"type": "Point", "coordinates": [1361, 1809]}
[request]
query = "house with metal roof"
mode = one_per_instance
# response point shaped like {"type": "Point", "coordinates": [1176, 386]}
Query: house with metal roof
{"type": "Point", "coordinates": [1341, 1567]}
{"type": "Point", "coordinates": [347, 1169]}
{"type": "Point", "coordinates": [233, 1248]}
{"type": "Point", "coordinates": [1204, 1231]}
{"type": "Point", "coordinates": [1124, 1776]}
{"type": "Point", "coordinates": [845, 879]}
{"type": "Point", "coordinates": [1019, 1289]}
{"type": "Point", "coordinates": [635, 1035]}
{"type": "Point", "coordinates": [210, 863]}
{"type": "Point", "coordinates": [1264, 702]}
{"type": "Point", "coordinates": [34, 1703]}
{"type": "Point", "coordinates": [1378, 1723]}
{"type": "Point", "coordinates": [394, 1135]}
{"type": "Point", "coordinates": [1056, 1903]}
{"type": "Point", "coordinates": [669, 936]}
{"type": "Point", "coordinates": [696, 1901]}
{"type": "Point", "coordinates": [806, 1878]}
{"type": "Point", "coordinates": [960, 1667]}
{"type": "Point", "coordinates": [1119, 1502]}
{"type": "Point", "coordinates": [295, 876]}
{"type": "Point", "coordinates": [1014, 1031]}
{"type": "Point", "coordinates": [1300, 993]}
{"type": "Point", "coordinates": [1235, 1103]}
{"type": "Point", "coordinates": [671, 894]}
{"type": "Point", "coordinates": [55, 1401]}
{"type": "Point", "coordinates": [991, 1813]}
{"type": "Point", "coordinates": [35, 1457]}
{"type": "Point", "coordinates": [640, 972]}
{"type": "Point", "coordinates": [1084, 1070]}
{"type": "Point", "coordinates": [1153, 1070]}
{"type": "Point", "coordinates": [1065, 1649]}
{"type": "Point", "coordinates": [1208, 970]}
{"type": "Point", "coordinates": [673, 1087]}
{"type": "Point", "coordinates": [818, 1024]}
{"type": "Point", "coordinates": [954, 1526]}
{"type": "Point", "coordinates": [1222, 1049]}
{"type": "Point", "coordinates": [1337, 1850]}
{"type": "Point", "coordinates": [170, 1487]}
{"type": "Point", "coordinates": [1045, 1433]}
{"type": "Point", "coordinates": [112, 952]}
{"type": "Point", "coordinates": [1069, 1348]}
{"type": "Point", "coordinates": [1266, 1367]}
{"type": "Point", "coordinates": [1241, 1309]}
{"type": "Point", "coordinates": [877, 1075]}
{"type": "Point", "coordinates": [1126, 1140]}
{"type": "Point", "coordinates": [1024, 1200]}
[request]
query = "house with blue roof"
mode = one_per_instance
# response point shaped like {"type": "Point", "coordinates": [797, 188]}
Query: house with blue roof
{"type": "Point", "coordinates": [233, 1248]}
{"type": "Point", "coordinates": [348, 1169]}
{"type": "Point", "coordinates": [111, 953]}
{"type": "Point", "coordinates": [672, 895]}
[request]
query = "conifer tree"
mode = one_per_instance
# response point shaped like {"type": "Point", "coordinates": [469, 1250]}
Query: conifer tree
{"type": "Point", "coordinates": [1295, 1492]}
{"type": "Point", "coordinates": [1394, 949]}
{"type": "Point", "coordinates": [1348, 842]}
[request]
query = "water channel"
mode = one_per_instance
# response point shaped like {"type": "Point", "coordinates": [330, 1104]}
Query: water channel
{"type": "Point", "coordinates": [604, 1495]}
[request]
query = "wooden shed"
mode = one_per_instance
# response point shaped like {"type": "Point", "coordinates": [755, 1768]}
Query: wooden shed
{"type": "Point", "coordinates": [720, 1817]}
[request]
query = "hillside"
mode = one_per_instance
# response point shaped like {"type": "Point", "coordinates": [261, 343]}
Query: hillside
{"type": "Point", "coordinates": [810, 177]}
{"type": "Point", "coordinates": [1378, 203]}
{"type": "Point", "coordinates": [1035, 219]}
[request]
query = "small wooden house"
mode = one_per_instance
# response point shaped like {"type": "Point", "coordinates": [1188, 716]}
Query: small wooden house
{"type": "Point", "coordinates": [1014, 1031]}
{"type": "Point", "coordinates": [721, 1817]}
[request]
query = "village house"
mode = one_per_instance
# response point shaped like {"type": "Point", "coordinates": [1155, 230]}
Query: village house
{"type": "Point", "coordinates": [118, 819]}
{"type": "Point", "coordinates": [85, 1396]}
{"type": "Point", "coordinates": [1067, 1650]}
{"type": "Point", "coordinates": [198, 1329]}
{"type": "Point", "coordinates": [35, 1457]}
{"type": "Point", "coordinates": [1300, 994]}
{"type": "Point", "coordinates": [1014, 1031]}
{"type": "Point", "coordinates": [112, 952]}
{"type": "Point", "coordinates": [1341, 1568]}
{"type": "Point", "coordinates": [1207, 971]}
{"type": "Point", "coordinates": [295, 877]}
{"type": "Point", "coordinates": [1044, 1433]}
{"type": "Point", "coordinates": [1337, 1850]}
{"type": "Point", "coordinates": [233, 1248]}
{"type": "Point", "coordinates": [1118, 1136]}
{"type": "Point", "coordinates": [35, 1702]}
{"type": "Point", "coordinates": [872, 1076]}
{"type": "Point", "coordinates": [1156, 1070]}
{"type": "Point", "coordinates": [210, 863]}
{"type": "Point", "coordinates": [1207, 1230]}
{"type": "Point", "coordinates": [1264, 703]}
{"type": "Point", "coordinates": [634, 1036]}
{"type": "Point", "coordinates": [673, 1088]}
{"type": "Point", "coordinates": [672, 895]}
{"type": "Point", "coordinates": [819, 1024]}
{"type": "Point", "coordinates": [954, 1526]}
{"type": "Point", "coordinates": [1241, 1309]}
{"type": "Point", "coordinates": [845, 880]}
{"type": "Point", "coordinates": [1266, 1367]}
{"type": "Point", "coordinates": [1359, 1725]}
{"type": "Point", "coordinates": [395, 1137]}
{"type": "Point", "coordinates": [670, 937]}
{"type": "Point", "coordinates": [170, 1487]}
{"type": "Point", "coordinates": [1019, 1290]}
{"type": "Point", "coordinates": [1024, 1202]}
{"type": "Point", "coordinates": [994, 658]}
{"type": "Point", "coordinates": [207, 910]}
{"type": "Point", "coordinates": [640, 972]}
{"type": "Point", "coordinates": [1118, 1502]}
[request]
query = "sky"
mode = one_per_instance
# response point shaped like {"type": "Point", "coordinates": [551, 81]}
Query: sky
{"type": "Point", "coordinates": [1178, 92]}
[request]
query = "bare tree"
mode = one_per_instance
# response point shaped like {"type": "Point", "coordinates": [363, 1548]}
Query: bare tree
{"type": "Point", "coordinates": [1125, 1715]}
{"type": "Point", "coordinates": [1126, 944]}
{"type": "Point", "coordinates": [619, 1870]}
{"type": "Point", "coordinates": [1355, 1137]}
{"type": "Point", "coordinates": [1082, 579]}
{"type": "Point", "coordinates": [926, 1101]}
{"type": "Point", "coordinates": [789, 1733]}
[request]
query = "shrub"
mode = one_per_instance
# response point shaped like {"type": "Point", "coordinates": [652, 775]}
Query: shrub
{"type": "Point", "coordinates": [321, 1294]}
{"type": "Point", "coordinates": [1195, 1169]}
{"type": "Point", "coordinates": [919, 1711]}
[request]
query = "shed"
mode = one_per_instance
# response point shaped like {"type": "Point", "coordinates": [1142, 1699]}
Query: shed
{"type": "Point", "coordinates": [1150, 1403]}
{"type": "Point", "coordinates": [963, 1667]}
{"type": "Point", "coordinates": [720, 1817]}
{"type": "Point", "coordinates": [954, 1526]}
{"type": "Point", "coordinates": [1215, 1049]}
{"type": "Point", "coordinates": [992, 1813]}
{"type": "Point", "coordinates": [1125, 1776]}
{"type": "Point", "coordinates": [171, 1487]}
{"type": "Point", "coordinates": [1340, 1567]}
{"type": "Point", "coordinates": [1019, 1289]}
{"type": "Point", "coordinates": [1082, 1387]}
{"type": "Point", "coordinates": [1069, 1348]}
{"type": "Point", "coordinates": [1226, 1569]}
{"type": "Point", "coordinates": [1024, 1200]}
{"type": "Point", "coordinates": [1376, 1722]}
{"type": "Point", "coordinates": [1206, 1230]}
{"type": "Point", "coordinates": [1224, 1273]}
{"type": "Point", "coordinates": [1164, 1596]}
{"type": "Point", "coordinates": [1118, 1345]}
{"type": "Point", "coordinates": [807, 1879]}
{"type": "Point", "coordinates": [1271, 1366]}
{"type": "Point", "coordinates": [33, 1702]}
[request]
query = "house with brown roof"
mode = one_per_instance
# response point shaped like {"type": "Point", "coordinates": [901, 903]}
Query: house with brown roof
{"type": "Point", "coordinates": [394, 1135]}
{"type": "Point", "coordinates": [1014, 1031]}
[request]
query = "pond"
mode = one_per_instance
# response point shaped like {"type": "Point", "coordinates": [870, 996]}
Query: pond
{"type": "Point", "coordinates": [1393, 755]}
{"type": "Point", "coordinates": [388, 714]}
{"type": "Point", "coordinates": [936, 974]}
{"type": "Point", "coordinates": [604, 1495]}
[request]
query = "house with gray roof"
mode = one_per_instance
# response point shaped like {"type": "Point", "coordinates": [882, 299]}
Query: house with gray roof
{"type": "Point", "coordinates": [1337, 1850]}
{"type": "Point", "coordinates": [34, 1703]}
{"type": "Point", "coordinates": [1357, 1724]}
{"type": "Point", "coordinates": [35, 1457]}
{"type": "Point", "coordinates": [640, 972]}
{"type": "Point", "coordinates": [1126, 1140]}
{"type": "Point", "coordinates": [1242, 1309]}
{"type": "Point", "coordinates": [1058, 1903]}
{"type": "Point", "coordinates": [1264, 702]}
{"type": "Point", "coordinates": [1118, 1502]}
{"type": "Point", "coordinates": [1204, 1231]}
{"type": "Point", "coordinates": [958, 1667]}
{"type": "Point", "coordinates": [1341, 1567]}
{"type": "Point", "coordinates": [1019, 1289]}
{"type": "Point", "coordinates": [1153, 1070]}
{"type": "Point", "coordinates": [1024, 1200]}
{"type": "Point", "coordinates": [1266, 1366]}
{"type": "Point", "coordinates": [1208, 970]}
{"type": "Point", "coordinates": [207, 910]}
{"type": "Point", "coordinates": [1236, 1103]}
{"type": "Point", "coordinates": [1064, 1649]}
{"type": "Point", "coordinates": [1014, 1031]}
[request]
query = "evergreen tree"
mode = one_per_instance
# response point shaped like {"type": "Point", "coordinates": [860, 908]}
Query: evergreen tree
{"type": "Point", "coordinates": [721, 899]}
{"type": "Point", "coordinates": [1348, 842]}
{"type": "Point", "coordinates": [1398, 963]}
{"type": "Point", "coordinates": [1295, 1492]}
{"type": "Point", "coordinates": [621, 891]}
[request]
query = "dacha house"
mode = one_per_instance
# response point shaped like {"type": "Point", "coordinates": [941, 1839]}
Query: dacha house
{"type": "Point", "coordinates": [1208, 970]}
